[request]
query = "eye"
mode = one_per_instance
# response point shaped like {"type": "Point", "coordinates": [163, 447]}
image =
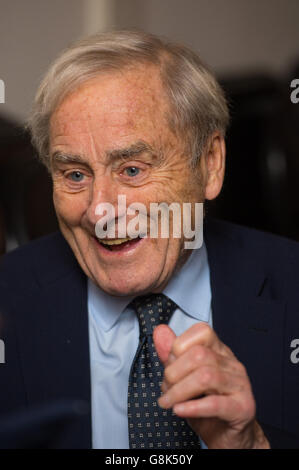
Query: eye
{"type": "Point", "coordinates": [76, 176]}
{"type": "Point", "coordinates": [132, 171]}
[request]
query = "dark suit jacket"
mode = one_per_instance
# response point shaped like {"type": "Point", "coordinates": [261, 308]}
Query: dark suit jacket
{"type": "Point", "coordinates": [255, 305]}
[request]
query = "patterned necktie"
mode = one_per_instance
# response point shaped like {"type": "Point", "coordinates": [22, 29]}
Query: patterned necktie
{"type": "Point", "coordinates": [151, 427]}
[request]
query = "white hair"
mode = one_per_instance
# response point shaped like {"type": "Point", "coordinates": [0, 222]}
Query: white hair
{"type": "Point", "coordinates": [197, 102]}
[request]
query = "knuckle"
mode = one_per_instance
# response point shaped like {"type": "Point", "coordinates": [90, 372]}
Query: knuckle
{"type": "Point", "coordinates": [214, 403]}
{"type": "Point", "coordinates": [247, 408]}
{"type": "Point", "coordinates": [226, 350]}
{"type": "Point", "coordinates": [199, 353]}
{"type": "Point", "coordinates": [241, 368]}
{"type": "Point", "coordinates": [206, 375]}
{"type": "Point", "coordinates": [252, 408]}
{"type": "Point", "coordinates": [170, 375]}
{"type": "Point", "coordinates": [199, 331]}
{"type": "Point", "coordinates": [175, 392]}
{"type": "Point", "coordinates": [177, 346]}
{"type": "Point", "coordinates": [204, 328]}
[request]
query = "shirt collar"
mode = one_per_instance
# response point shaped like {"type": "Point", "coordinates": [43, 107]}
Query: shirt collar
{"type": "Point", "coordinates": [104, 307]}
{"type": "Point", "coordinates": [189, 288]}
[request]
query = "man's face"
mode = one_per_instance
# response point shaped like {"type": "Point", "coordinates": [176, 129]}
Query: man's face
{"type": "Point", "coordinates": [111, 137]}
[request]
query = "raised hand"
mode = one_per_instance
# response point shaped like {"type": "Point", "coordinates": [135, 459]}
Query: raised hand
{"type": "Point", "coordinates": [206, 384]}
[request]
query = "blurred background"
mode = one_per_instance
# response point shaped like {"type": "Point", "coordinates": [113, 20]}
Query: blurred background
{"type": "Point", "coordinates": [253, 47]}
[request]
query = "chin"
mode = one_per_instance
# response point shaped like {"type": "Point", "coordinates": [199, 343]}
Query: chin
{"type": "Point", "coordinates": [123, 287]}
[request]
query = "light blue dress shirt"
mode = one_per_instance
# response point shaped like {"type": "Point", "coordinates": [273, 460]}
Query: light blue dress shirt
{"type": "Point", "coordinates": [114, 334]}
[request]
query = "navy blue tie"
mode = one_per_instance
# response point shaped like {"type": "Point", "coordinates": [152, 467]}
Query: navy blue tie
{"type": "Point", "coordinates": [151, 427]}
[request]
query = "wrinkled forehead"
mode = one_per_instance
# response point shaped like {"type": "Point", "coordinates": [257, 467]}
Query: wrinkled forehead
{"type": "Point", "coordinates": [133, 97]}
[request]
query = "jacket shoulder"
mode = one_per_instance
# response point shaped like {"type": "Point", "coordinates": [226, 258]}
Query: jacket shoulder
{"type": "Point", "coordinates": [255, 243]}
{"type": "Point", "coordinates": [36, 262]}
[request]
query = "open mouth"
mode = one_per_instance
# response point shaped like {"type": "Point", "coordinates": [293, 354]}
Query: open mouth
{"type": "Point", "coordinates": [118, 244]}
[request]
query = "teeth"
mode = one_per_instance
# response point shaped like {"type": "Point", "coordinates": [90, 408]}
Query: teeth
{"type": "Point", "coordinates": [117, 241]}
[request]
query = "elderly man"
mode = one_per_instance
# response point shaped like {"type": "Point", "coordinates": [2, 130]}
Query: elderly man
{"type": "Point", "coordinates": [128, 114]}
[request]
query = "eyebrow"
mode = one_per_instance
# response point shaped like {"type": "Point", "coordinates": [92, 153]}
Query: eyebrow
{"type": "Point", "coordinates": [61, 157]}
{"type": "Point", "coordinates": [129, 152]}
{"type": "Point", "coordinates": [117, 154]}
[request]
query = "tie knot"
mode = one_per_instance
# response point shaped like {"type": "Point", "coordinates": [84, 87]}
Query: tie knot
{"type": "Point", "coordinates": [151, 311]}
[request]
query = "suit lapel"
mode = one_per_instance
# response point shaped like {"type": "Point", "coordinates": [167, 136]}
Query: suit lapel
{"type": "Point", "coordinates": [248, 319]}
{"type": "Point", "coordinates": [52, 329]}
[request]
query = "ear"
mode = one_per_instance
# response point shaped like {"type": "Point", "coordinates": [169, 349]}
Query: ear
{"type": "Point", "coordinates": [213, 165]}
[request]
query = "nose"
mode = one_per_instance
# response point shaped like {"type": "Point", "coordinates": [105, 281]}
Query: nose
{"type": "Point", "coordinates": [103, 196]}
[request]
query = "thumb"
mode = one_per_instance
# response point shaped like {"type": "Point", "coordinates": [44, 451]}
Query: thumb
{"type": "Point", "coordinates": [163, 337]}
